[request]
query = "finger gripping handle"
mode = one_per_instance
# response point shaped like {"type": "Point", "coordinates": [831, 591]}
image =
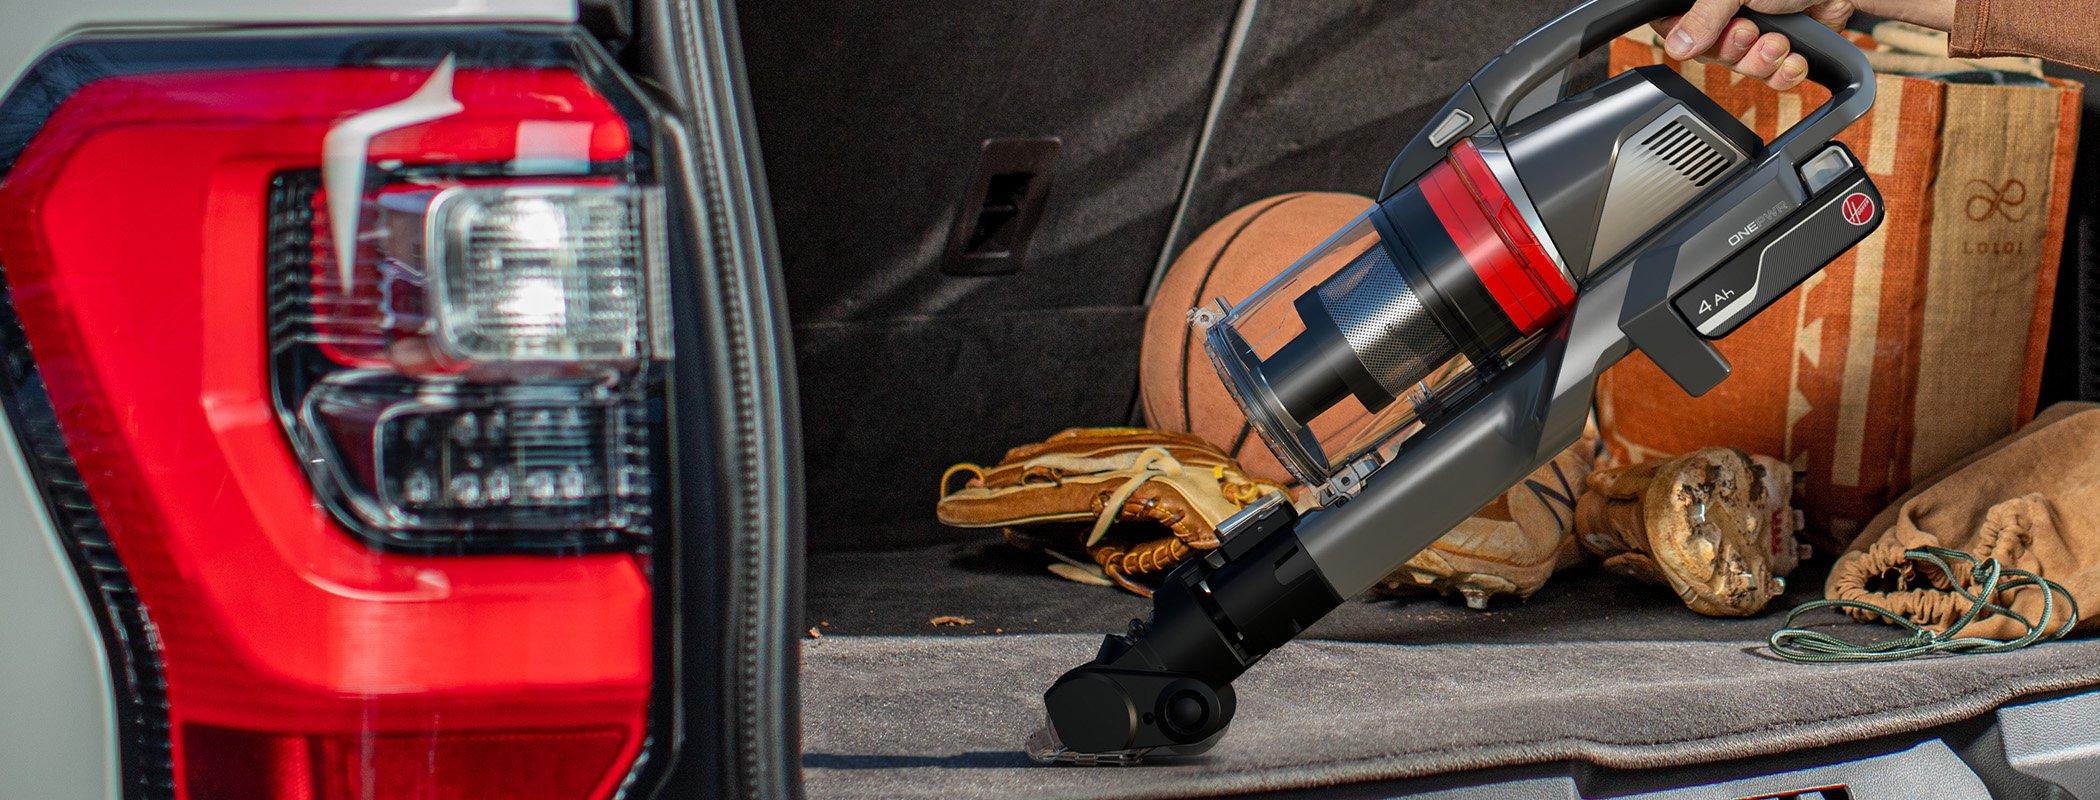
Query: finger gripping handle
{"type": "Point", "coordinates": [1833, 61]}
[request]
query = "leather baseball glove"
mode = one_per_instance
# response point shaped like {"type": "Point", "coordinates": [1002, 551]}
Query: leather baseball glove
{"type": "Point", "coordinates": [1169, 483]}
{"type": "Point", "coordinates": [1512, 546]}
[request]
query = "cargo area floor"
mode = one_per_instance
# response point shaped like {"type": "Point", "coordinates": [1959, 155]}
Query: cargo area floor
{"type": "Point", "coordinates": [1593, 668]}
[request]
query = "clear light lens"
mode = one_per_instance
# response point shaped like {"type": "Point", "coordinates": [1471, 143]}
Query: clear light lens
{"type": "Point", "coordinates": [458, 456]}
{"type": "Point", "coordinates": [485, 373]}
{"type": "Point", "coordinates": [542, 273]}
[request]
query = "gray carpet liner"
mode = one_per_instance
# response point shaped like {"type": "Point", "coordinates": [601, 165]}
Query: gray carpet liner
{"type": "Point", "coordinates": [1593, 667]}
{"type": "Point", "coordinates": [913, 716]}
{"type": "Point", "coordinates": [999, 588]}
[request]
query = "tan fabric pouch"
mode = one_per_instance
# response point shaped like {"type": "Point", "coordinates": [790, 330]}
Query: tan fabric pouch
{"type": "Point", "coordinates": [2031, 501]}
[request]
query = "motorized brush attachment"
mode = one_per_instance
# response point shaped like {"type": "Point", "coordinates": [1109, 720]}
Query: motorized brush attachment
{"type": "Point", "coordinates": [1446, 343]}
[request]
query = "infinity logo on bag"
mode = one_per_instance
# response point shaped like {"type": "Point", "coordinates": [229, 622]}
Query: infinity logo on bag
{"type": "Point", "coordinates": [1999, 200]}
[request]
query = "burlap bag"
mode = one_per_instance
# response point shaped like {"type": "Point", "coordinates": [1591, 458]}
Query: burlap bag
{"type": "Point", "coordinates": [1920, 345]}
{"type": "Point", "coordinates": [2032, 501]}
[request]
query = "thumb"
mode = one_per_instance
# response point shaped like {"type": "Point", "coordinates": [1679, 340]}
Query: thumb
{"type": "Point", "coordinates": [1700, 28]}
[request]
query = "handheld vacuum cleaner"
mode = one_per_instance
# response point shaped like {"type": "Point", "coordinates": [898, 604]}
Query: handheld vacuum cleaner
{"type": "Point", "coordinates": [1446, 343]}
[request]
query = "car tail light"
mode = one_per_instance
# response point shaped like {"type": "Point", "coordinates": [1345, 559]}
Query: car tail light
{"type": "Point", "coordinates": [352, 347]}
{"type": "Point", "coordinates": [477, 375]}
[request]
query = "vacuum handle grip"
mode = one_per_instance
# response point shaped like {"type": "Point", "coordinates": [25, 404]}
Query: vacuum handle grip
{"type": "Point", "coordinates": [1833, 61]}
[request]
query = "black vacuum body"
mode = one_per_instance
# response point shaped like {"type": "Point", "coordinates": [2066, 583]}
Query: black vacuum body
{"type": "Point", "coordinates": [1443, 345]}
{"type": "Point", "coordinates": [1451, 276]}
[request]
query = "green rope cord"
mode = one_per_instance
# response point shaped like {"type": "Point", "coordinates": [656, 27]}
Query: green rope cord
{"type": "Point", "coordinates": [1799, 644]}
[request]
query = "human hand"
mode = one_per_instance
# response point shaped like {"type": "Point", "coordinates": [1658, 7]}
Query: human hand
{"type": "Point", "coordinates": [1712, 33]}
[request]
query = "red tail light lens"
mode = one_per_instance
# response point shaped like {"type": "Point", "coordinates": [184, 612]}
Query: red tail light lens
{"type": "Point", "coordinates": [390, 521]}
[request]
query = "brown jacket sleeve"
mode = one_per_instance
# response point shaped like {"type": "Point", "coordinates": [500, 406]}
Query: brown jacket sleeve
{"type": "Point", "coordinates": [2066, 31]}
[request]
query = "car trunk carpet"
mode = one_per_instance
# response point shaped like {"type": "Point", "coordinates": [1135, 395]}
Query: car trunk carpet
{"type": "Point", "coordinates": [1592, 668]}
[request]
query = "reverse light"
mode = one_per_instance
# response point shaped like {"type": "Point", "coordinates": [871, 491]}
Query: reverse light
{"type": "Point", "coordinates": [391, 520]}
{"type": "Point", "coordinates": [517, 274]}
{"type": "Point", "coordinates": [546, 273]}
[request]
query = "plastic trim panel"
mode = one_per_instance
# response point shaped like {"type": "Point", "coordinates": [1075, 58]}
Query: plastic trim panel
{"type": "Point", "coordinates": [742, 587]}
{"type": "Point", "coordinates": [2056, 740]}
{"type": "Point", "coordinates": [1913, 768]}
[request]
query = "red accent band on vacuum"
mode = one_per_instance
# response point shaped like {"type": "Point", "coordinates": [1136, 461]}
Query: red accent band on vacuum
{"type": "Point", "coordinates": [1503, 251]}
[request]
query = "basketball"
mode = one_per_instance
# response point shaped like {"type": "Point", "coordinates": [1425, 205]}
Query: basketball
{"type": "Point", "coordinates": [1180, 390]}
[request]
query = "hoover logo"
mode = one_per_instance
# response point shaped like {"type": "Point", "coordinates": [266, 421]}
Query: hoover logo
{"type": "Point", "coordinates": [1858, 208]}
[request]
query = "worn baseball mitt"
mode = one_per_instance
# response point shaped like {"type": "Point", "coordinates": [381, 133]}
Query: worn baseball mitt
{"type": "Point", "coordinates": [1717, 525]}
{"type": "Point", "coordinates": [1075, 486]}
{"type": "Point", "coordinates": [1514, 544]}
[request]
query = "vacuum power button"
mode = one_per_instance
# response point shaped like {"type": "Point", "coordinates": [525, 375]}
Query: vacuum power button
{"type": "Point", "coordinates": [1825, 168]}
